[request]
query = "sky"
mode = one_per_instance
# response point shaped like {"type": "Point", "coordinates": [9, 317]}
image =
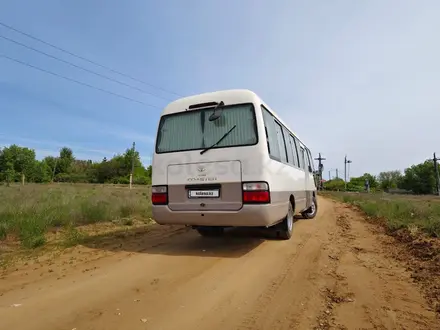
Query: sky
{"type": "Point", "coordinates": [356, 78]}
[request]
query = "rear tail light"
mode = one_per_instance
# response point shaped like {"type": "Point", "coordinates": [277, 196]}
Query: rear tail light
{"type": "Point", "coordinates": [256, 193]}
{"type": "Point", "coordinates": [256, 197]}
{"type": "Point", "coordinates": [159, 195]}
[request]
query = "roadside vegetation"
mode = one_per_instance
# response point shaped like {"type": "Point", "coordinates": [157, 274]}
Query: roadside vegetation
{"type": "Point", "coordinates": [32, 215]}
{"type": "Point", "coordinates": [413, 224]}
{"type": "Point", "coordinates": [417, 179]}
{"type": "Point", "coordinates": [65, 194]}
{"type": "Point", "coordinates": [399, 200]}
{"type": "Point", "coordinates": [417, 214]}
{"type": "Point", "coordinates": [61, 198]}
{"type": "Point", "coordinates": [19, 164]}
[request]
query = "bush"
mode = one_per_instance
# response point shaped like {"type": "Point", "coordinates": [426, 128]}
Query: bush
{"type": "Point", "coordinates": [398, 211]}
{"type": "Point", "coordinates": [143, 180]}
{"type": "Point", "coordinates": [28, 212]}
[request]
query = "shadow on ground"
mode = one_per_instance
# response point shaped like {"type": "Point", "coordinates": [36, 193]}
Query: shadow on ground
{"type": "Point", "coordinates": [182, 241]}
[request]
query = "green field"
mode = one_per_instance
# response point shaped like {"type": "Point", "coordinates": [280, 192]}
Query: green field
{"type": "Point", "coordinates": [415, 213]}
{"type": "Point", "coordinates": [29, 213]}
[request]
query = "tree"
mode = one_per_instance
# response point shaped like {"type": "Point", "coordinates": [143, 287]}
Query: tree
{"type": "Point", "coordinates": [17, 161]}
{"type": "Point", "coordinates": [334, 184]}
{"type": "Point", "coordinates": [150, 171]}
{"type": "Point", "coordinates": [420, 179]}
{"type": "Point", "coordinates": [42, 173]}
{"type": "Point", "coordinates": [66, 160]}
{"type": "Point", "coordinates": [9, 173]}
{"type": "Point", "coordinates": [358, 183]}
{"type": "Point", "coordinates": [371, 179]}
{"type": "Point", "coordinates": [52, 164]}
{"type": "Point", "coordinates": [389, 180]}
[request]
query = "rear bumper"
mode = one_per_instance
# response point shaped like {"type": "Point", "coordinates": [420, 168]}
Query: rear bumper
{"type": "Point", "coordinates": [248, 216]}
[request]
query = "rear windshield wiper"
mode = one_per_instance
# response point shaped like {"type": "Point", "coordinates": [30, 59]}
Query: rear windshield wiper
{"type": "Point", "coordinates": [221, 139]}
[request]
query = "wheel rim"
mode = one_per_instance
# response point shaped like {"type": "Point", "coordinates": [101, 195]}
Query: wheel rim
{"type": "Point", "coordinates": [290, 217]}
{"type": "Point", "coordinates": [312, 208]}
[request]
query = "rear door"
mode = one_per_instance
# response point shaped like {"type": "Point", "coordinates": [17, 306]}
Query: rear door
{"type": "Point", "coordinates": [205, 186]}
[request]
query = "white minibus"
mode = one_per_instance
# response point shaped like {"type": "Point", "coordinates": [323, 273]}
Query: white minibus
{"type": "Point", "coordinates": [225, 159]}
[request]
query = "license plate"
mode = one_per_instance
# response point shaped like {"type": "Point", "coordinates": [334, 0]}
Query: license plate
{"type": "Point", "coordinates": [204, 193]}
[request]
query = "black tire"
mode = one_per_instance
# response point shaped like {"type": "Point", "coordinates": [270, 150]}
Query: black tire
{"type": "Point", "coordinates": [211, 231]}
{"type": "Point", "coordinates": [312, 210]}
{"type": "Point", "coordinates": [285, 228]}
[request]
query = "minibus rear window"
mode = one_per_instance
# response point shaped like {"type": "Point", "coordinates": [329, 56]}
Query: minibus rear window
{"type": "Point", "coordinates": [192, 130]}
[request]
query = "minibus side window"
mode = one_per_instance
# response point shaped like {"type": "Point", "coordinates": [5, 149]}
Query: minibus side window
{"type": "Point", "coordinates": [294, 150]}
{"type": "Point", "coordinates": [290, 158]}
{"type": "Point", "coordinates": [281, 142]}
{"type": "Point", "coordinates": [271, 134]}
{"type": "Point", "coordinates": [309, 157]}
{"type": "Point", "coordinates": [307, 164]}
{"type": "Point", "coordinates": [301, 157]}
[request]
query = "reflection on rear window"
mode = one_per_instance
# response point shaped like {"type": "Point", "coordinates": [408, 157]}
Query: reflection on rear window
{"type": "Point", "coordinates": [192, 130]}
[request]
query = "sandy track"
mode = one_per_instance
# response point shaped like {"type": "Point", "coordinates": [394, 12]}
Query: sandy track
{"type": "Point", "coordinates": [331, 274]}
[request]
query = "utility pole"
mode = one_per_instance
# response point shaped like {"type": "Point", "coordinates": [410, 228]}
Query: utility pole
{"type": "Point", "coordinates": [337, 174]}
{"type": "Point", "coordinates": [437, 176]}
{"type": "Point", "coordinates": [330, 173]}
{"type": "Point", "coordinates": [346, 161]}
{"type": "Point", "coordinates": [132, 165]}
{"type": "Point", "coordinates": [320, 170]}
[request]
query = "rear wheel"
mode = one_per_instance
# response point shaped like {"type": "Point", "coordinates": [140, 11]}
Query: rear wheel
{"type": "Point", "coordinates": [210, 231]}
{"type": "Point", "coordinates": [312, 210]}
{"type": "Point", "coordinates": [285, 228]}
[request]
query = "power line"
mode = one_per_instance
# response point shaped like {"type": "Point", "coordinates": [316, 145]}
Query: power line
{"type": "Point", "coordinates": [76, 81]}
{"type": "Point", "coordinates": [81, 68]}
{"type": "Point", "coordinates": [87, 60]}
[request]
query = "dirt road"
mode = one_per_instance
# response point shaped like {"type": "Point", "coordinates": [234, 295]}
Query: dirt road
{"type": "Point", "coordinates": [333, 273]}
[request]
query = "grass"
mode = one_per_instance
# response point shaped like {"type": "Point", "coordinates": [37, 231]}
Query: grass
{"type": "Point", "coordinates": [28, 213]}
{"type": "Point", "coordinates": [414, 213]}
